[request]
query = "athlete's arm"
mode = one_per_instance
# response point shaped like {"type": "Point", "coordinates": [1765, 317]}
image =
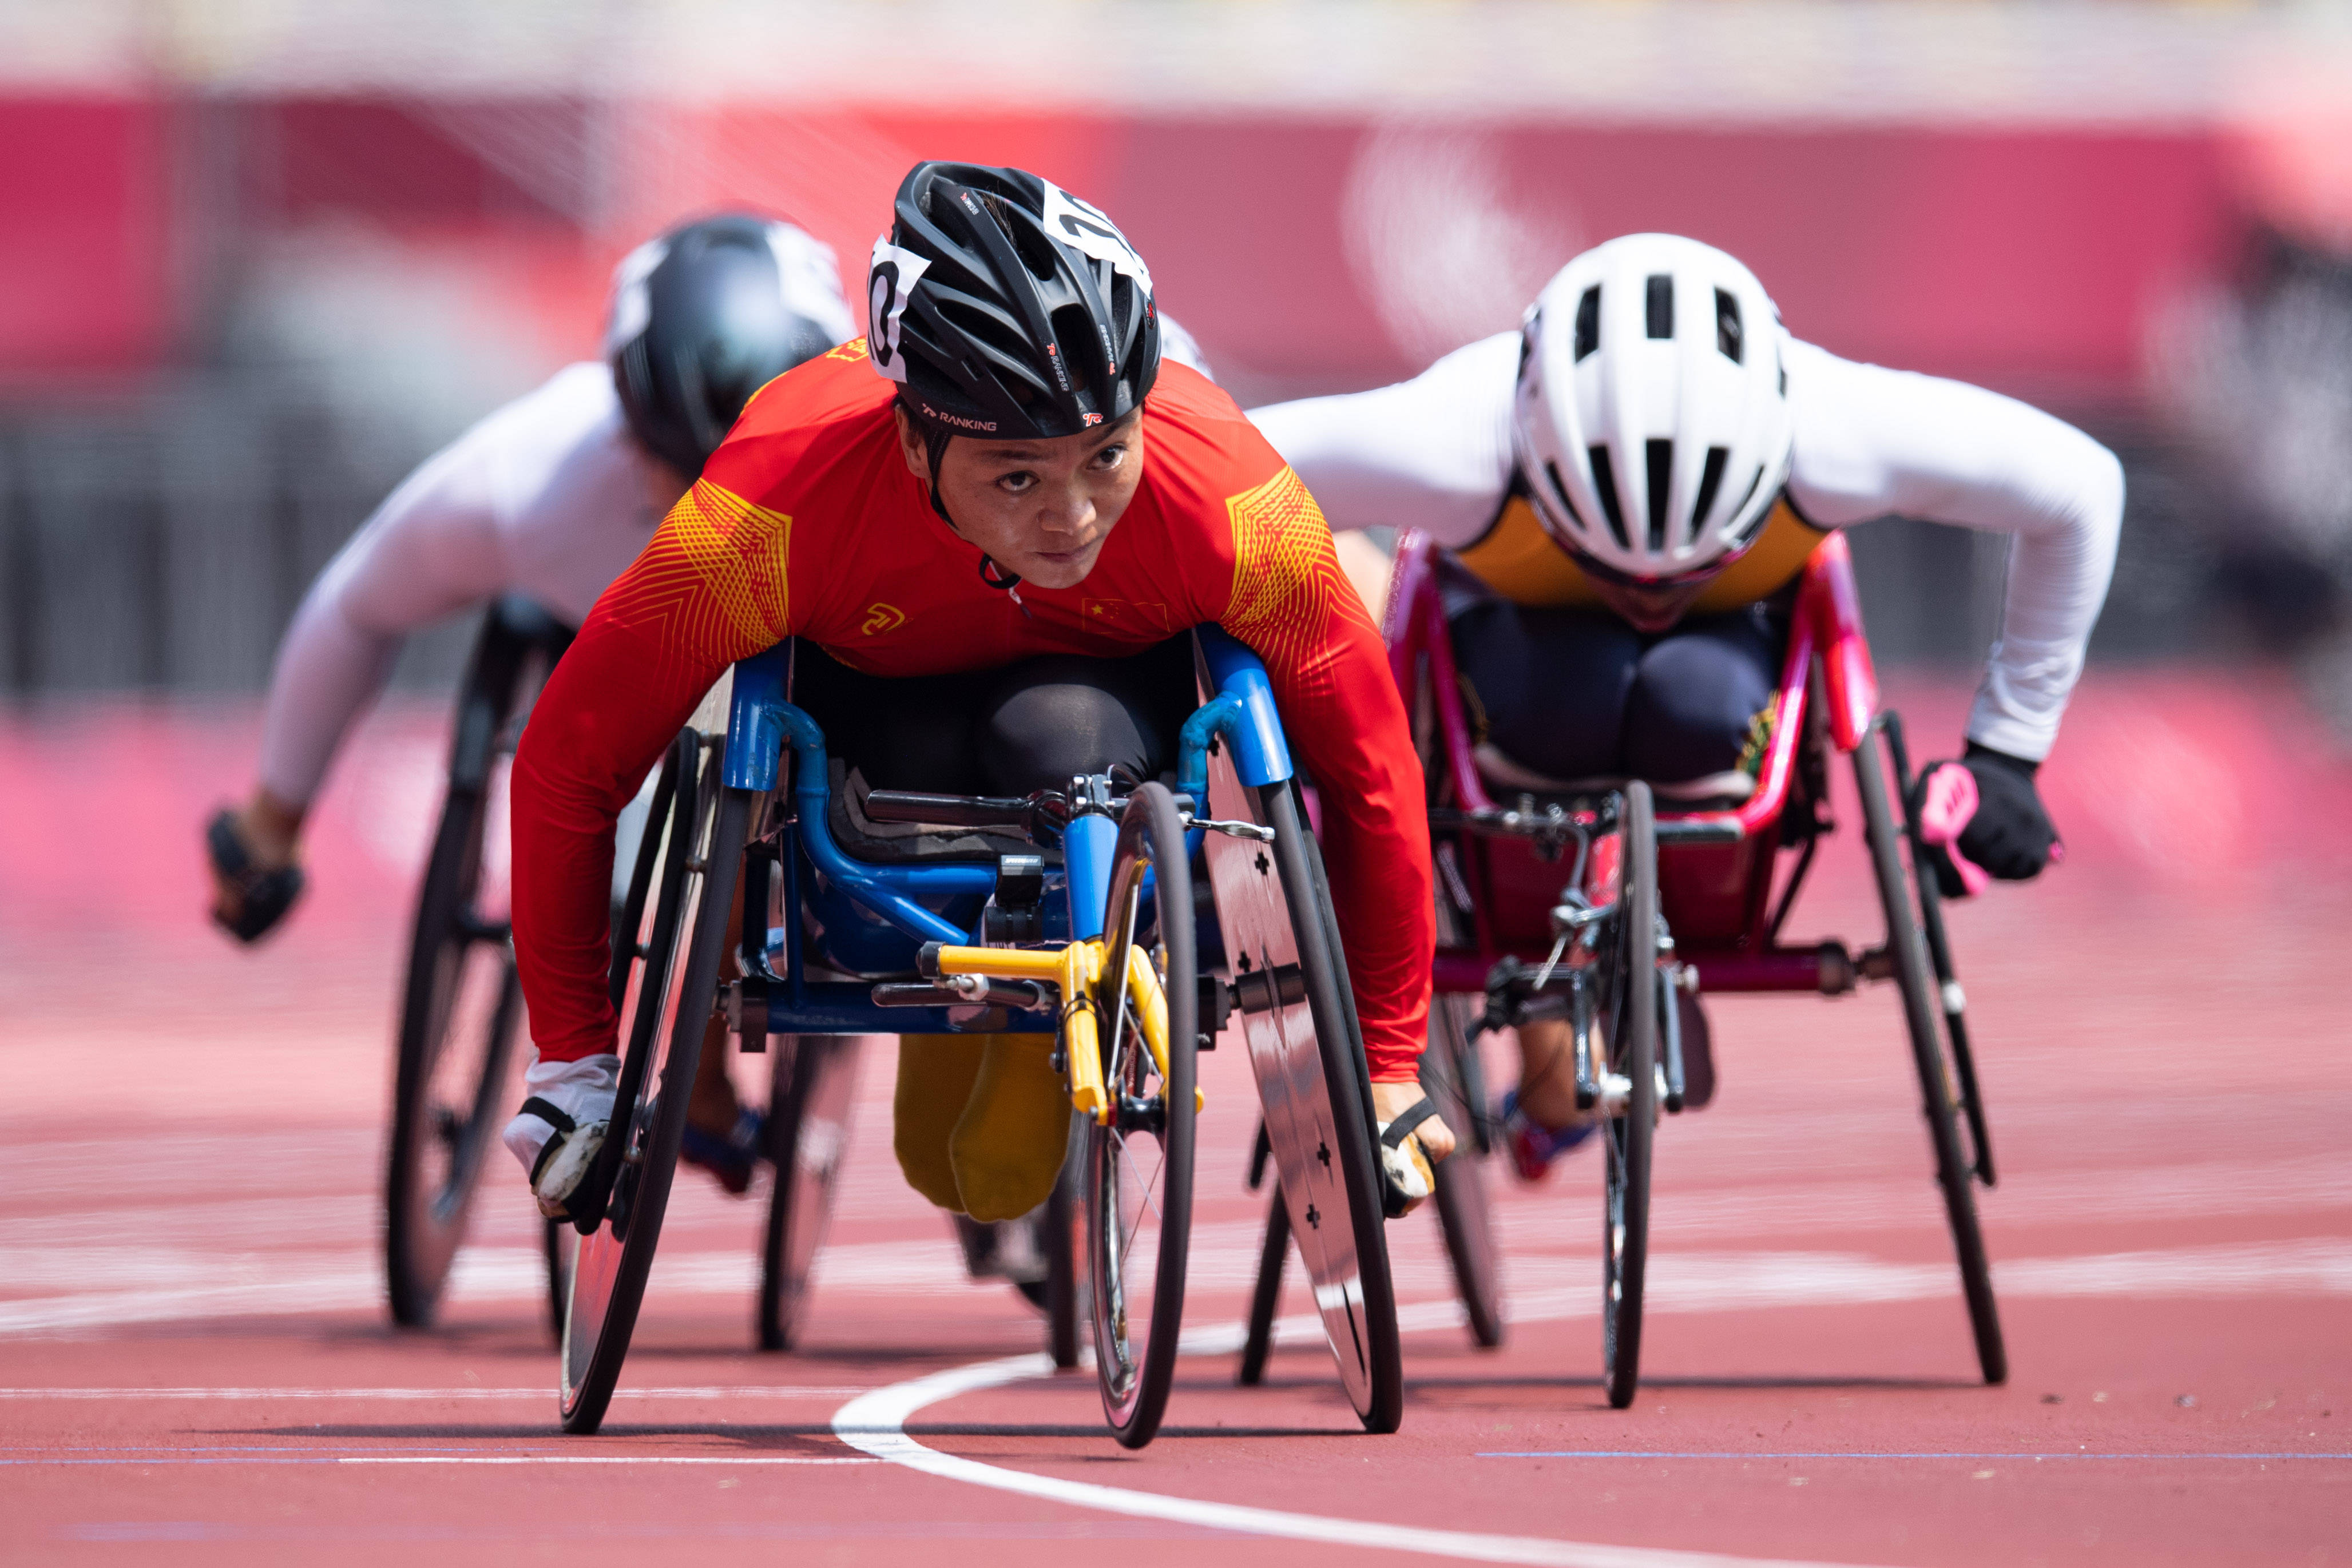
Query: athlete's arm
{"type": "Point", "coordinates": [1346, 725]}
{"type": "Point", "coordinates": [1871, 442]}
{"type": "Point", "coordinates": [1432, 453]}
{"type": "Point", "coordinates": [430, 550]}
{"type": "Point", "coordinates": [707, 590]}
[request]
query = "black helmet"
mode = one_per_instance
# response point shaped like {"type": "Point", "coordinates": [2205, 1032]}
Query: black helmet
{"type": "Point", "coordinates": [1003, 306]}
{"type": "Point", "coordinates": [708, 314]}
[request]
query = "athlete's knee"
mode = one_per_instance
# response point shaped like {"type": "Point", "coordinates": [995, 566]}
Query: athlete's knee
{"type": "Point", "coordinates": [1694, 704]}
{"type": "Point", "coordinates": [1551, 683]}
{"type": "Point", "coordinates": [1053, 717]}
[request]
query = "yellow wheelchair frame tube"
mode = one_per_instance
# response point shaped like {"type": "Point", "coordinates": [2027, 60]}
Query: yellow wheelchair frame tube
{"type": "Point", "coordinates": [1077, 970]}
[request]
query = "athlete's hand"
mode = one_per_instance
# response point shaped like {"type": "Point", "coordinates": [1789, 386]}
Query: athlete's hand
{"type": "Point", "coordinates": [2008, 834]}
{"type": "Point", "coordinates": [1391, 1100]}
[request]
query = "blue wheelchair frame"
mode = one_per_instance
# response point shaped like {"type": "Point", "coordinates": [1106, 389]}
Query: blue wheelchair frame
{"type": "Point", "coordinates": [886, 911]}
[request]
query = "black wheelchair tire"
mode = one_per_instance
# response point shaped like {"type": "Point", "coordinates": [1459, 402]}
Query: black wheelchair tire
{"type": "Point", "coordinates": [1628, 1140]}
{"type": "Point", "coordinates": [814, 1080]}
{"type": "Point", "coordinates": [615, 1266]}
{"type": "Point", "coordinates": [1063, 1241]}
{"type": "Point", "coordinates": [558, 1244]}
{"type": "Point", "coordinates": [1134, 1405]}
{"type": "Point", "coordinates": [1920, 1006]}
{"type": "Point", "coordinates": [1347, 1080]}
{"type": "Point", "coordinates": [1265, 1296]}
{"type": "Point", "coordinates": [424, 1229]}
{"type": "Point", "coordinates": [1464, 1205]}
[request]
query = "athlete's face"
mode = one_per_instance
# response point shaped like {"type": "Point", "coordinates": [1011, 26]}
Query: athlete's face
{"type": "Point", "coordinates": [1041, 508]}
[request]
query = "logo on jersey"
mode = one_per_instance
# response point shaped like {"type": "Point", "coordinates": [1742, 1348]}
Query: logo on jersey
{"type": "Point", "coordinates": [889, 286]}
{"type": "Point", "coordinates": [852, 350]}
{"type": "Point", "coordinates": [881, 618]}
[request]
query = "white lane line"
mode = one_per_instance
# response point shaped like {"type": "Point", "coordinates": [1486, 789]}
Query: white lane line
{"type": "Point", "coordinates": [875, 1423]}
{"type": "Point", "coordinates": [592, 1459]}
{"type": "Point", "coordinates": [753, 1391]}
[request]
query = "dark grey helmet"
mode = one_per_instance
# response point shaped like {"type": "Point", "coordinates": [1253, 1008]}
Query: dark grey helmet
{"type": "Point", "coordinates": [707, 315]}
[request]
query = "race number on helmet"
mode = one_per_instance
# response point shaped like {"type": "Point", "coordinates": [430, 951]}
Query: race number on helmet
{"type": "Point", "coordinates": [1003, 305]}
{"type": "Point", "coordinates": [1652, 421]}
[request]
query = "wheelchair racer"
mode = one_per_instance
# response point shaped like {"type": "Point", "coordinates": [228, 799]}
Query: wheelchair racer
{"type": "Point", "coordinates": [549, 498]}
{"type": "Point", "coordinates": [1632, 480]}
{"type": "Point", "coordinates": [990, 523]}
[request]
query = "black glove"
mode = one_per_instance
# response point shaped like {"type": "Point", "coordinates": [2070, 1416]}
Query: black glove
{"type": "Point", "coordinates": [2007, 834]}
{"type": "Point", "coordinates": [2011, 835]}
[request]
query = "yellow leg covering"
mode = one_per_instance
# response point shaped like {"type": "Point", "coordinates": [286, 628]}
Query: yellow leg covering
{"type": "Point", "coordinates": [936, 1072]}
{"type": "Point", "coordinates": [1007, 1148]}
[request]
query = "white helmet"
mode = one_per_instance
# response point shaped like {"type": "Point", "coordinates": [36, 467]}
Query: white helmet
{"type": "Point", "coordinates": [1652, 421]}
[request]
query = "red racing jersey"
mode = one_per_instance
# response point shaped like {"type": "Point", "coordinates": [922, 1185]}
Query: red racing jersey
{"type": "Point", "coordinates": [807, 523]}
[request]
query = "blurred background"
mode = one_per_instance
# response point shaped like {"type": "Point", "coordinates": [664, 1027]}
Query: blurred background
{"type": "Point", "coordinates": [260, 258]}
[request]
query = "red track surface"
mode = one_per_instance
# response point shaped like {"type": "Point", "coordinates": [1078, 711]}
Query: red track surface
{"type": "Point", "coordinates": [193, 1360]}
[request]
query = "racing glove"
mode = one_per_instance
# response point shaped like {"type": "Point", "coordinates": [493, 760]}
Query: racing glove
{"type": "Point", "coordinates": [1981, 818]}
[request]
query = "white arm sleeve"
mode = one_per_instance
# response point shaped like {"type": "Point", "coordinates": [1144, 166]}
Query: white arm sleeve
{"type": "Point", "coordinates": [1433, 452]}
{"type": "Point", "coordinates": [430, 550]}
{"type": "Point", "coordinates": [1872, 443]}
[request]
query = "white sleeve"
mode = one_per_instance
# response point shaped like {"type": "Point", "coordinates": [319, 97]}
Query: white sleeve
{"type": "Point", "coordinates": [432, 549]}
{"type": "Point", "coordinates": [1872, 443]}
{"type": "Point", "coordinates": [1433, 452]}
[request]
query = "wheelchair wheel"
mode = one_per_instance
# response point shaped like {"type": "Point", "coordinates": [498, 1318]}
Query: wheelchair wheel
{"type": "Point", "coordinates": [1920, 1004]}
{"type": "Point", "coordinates": [1637, 982]}
{"type": "Point", "coordinates": [1062, 1238]}
{"type": "Point", "coordinates": [462, 1002]}
{"type": "Point", "coordinates": [559, 1244]}
{"type": "Point", "coordinates": [700, 853]}
{"type": "Point", "coordinates": [1266, 1297]}
{"type": "Point", "coordinates": [1453, 1075]}
{"type": "Point", "coordinates": [1138, 1179]}
{"type": "Point", "coordinates": [1274, 907]}
{"type": "Point", "coordinates": [816, 1086]}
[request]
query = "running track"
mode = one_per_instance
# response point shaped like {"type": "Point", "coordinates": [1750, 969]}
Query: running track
{"type": "Point", "coordinates": [195, 1365]}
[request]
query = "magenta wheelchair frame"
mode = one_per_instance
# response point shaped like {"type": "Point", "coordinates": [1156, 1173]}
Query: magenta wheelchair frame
{"type": "Point", "coordinates": [1715, 868]}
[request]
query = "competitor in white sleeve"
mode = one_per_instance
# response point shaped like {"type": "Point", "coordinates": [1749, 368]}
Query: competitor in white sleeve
{"type": "Point", "coordinates": [548, 500]}
{"type": "Point", "coordinates": [1633, 478]}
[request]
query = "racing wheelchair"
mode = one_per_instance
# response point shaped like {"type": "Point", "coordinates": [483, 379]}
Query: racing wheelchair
{"type": "Point", "coordinates": [1068, 912]}
{"type": "Point", "coordinates": [1600, 904]}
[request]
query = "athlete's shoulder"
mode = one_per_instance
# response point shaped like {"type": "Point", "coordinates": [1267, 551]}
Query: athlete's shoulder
{"type": "Point", "coordinates": [801, 425]}
{"type": "Point", "coordinates": [1200, 449]}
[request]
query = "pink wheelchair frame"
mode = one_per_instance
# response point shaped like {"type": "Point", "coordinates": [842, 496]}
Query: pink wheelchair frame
{"type": "Point", "coordinates": [1717, 867]}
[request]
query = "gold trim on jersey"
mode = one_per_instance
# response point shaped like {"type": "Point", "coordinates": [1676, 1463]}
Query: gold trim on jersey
{"type": "Point", "coordinates": [1518, 560]}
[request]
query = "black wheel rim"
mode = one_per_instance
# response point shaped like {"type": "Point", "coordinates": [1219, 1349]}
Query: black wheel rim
{"type": "Point", "coordinates": [462, 1005]}
{"type": "Point", "coordinates": [1633, 980]}
{"type": "Point", "coordinates": [816, 1086]}
{"type": "Point", "coordinates": [1139, 1165]}
{"type": "Point", "coordinates": [680, 946]}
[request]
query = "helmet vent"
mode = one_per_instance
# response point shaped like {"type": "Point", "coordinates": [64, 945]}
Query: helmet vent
{"type": "Point", "coordinates": [1659, 304]}
{"type": "Point", "coordinates": [1604, 479]}
{"type": "Point", "coordinates": [1727, 334]}
{"type": "Point", "coordinates": [1735, 535]}
{"type": "Point", "coordinates": [1660, 464]}
{"type": "Point", "coordinates": [1587, 322]}
{"type": "Point", "coordinates": [1551, 470]}
{"type": "Point", "coordinates": [1710, 480]}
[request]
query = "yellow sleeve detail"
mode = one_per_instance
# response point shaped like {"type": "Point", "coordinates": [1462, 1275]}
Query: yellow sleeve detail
{"type": "Point", "coordinates": [738, 550]}
{"type": "Point", "coordinates": [853, 350]}
{"type": "Point", "coordinates": [1286, 577]}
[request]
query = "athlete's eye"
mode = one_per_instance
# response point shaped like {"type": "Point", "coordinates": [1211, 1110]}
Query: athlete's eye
{"type": "Point", "coordinates": [1111, 456]}
{"type": "Point", "coordinates": [1019, 482]}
